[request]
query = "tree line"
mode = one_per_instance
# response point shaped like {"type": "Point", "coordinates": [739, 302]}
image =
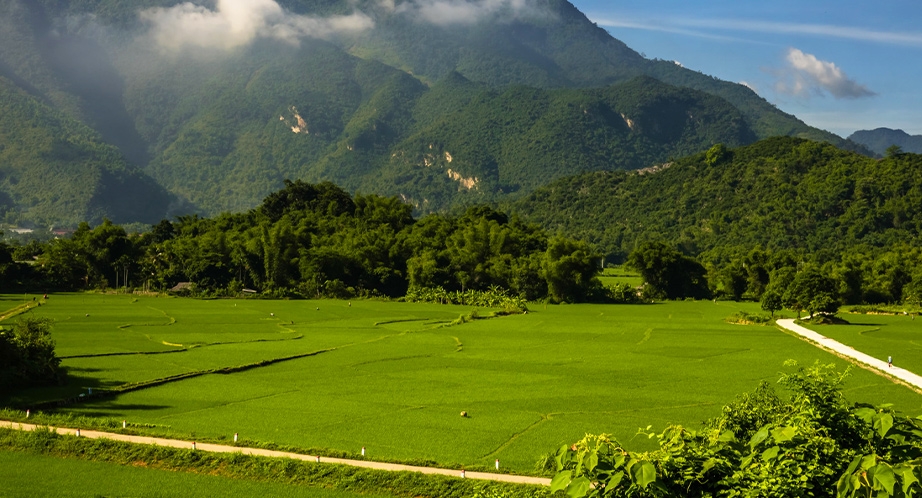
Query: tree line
{"type": "Point", "coordinates": [313, 240]}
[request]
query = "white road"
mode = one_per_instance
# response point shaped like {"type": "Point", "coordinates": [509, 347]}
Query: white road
{"type": "Point", "coordinates": [850, 352]}
{"type": "Point", "coordinates": [220, 448]}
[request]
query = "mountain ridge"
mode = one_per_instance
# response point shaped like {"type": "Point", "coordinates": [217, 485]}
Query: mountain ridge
{"type": "Point", "coordinates": [213, 126]}
{"type": "Point", "coordinates": [879, 139]}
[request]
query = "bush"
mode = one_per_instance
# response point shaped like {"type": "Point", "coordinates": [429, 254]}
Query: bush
{"type": "Point", "coordinates": [27, 356]}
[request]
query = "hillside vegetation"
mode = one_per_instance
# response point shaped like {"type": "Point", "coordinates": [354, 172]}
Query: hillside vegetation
{"type": "Point", "coordinates": [443, 114]}
{"type": "Point", "coordinates": [780, 193]}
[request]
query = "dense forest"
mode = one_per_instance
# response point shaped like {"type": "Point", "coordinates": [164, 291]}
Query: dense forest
{"type": "Point", "coordinates": [312, 241]}
{"type": "Point", "coordinates": [745, 212]}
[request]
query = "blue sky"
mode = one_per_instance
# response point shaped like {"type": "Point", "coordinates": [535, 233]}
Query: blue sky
{"type": "Point", "coordinates": [840, 66]}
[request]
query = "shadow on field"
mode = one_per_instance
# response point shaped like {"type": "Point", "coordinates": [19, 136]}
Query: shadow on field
{"type": "Point", "coordinates": [110, 407]}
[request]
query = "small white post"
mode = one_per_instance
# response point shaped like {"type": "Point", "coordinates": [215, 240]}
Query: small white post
{"type": "Point", "coordinates": [124, 424]}
{"type": "Point", "coordinates": [318, 458]}
{"type": "Point", "coordinates": [363, 451]}
{"type": "Point", "coordinates": [497, 464]}
{"type": "Point", "coordinates": [193, 445]}
{"type": "Point", "coordinates": [28, 412]}
{"type": "Point", "coordinates": [78, 432]}
{"type": "Point", "coordinates": [235, 437]}
{"type": "Point", "coordinates": [462, 473]}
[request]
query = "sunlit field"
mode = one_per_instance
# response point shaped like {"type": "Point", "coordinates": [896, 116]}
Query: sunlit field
{"type": "Point", "coordinates": [394, 377]}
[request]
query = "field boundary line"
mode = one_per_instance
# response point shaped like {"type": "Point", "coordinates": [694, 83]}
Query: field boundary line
{"type": "Point", "coordinates": [220, 448]}
{"type": "Point", "coordinates": [863, 360]}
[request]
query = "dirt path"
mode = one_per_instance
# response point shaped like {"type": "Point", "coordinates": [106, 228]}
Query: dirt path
{"type": "Point", "coordinates": [219, 448]}
{"type": "Point", "coordinates": [850, 352]}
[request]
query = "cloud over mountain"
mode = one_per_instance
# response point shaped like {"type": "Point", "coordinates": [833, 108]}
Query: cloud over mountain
{"type": "Point", "coordinates": [235, 23]}
{"type": "Point", "coordinates": [459, 12]}
{"type": "Point", "coordinates": [807, 75]}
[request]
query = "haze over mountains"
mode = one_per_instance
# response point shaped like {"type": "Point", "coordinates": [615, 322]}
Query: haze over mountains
{"type": "Point", "coordinates": [138, 111]}
{"type": "Point", "coordinates": [878, 140]}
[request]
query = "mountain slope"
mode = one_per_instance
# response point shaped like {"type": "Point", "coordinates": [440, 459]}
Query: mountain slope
{"type": "Point", "coordinates": [516, 95]}
{"type": "Point", "coordinates": [880, 139]}
{"type": "Point", "coordinates": [54, 170]}
{"type": "Point", "coordinates": [778, 193]}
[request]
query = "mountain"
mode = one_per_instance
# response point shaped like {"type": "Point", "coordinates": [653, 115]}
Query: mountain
{"type": "Point", "coordinates": [882, 138]}
{"type": "Point", "coordinates": [443, 103]}
{"type": "Point", "coordinates": [778, 193]}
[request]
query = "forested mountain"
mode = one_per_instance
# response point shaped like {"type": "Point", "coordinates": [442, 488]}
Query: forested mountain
{"type": "Point", "coordinates": [878, 140]}
{"type": "Point", "coordinates": [220, 102]}
{"type": "Point", "coordinates": [778, 194]}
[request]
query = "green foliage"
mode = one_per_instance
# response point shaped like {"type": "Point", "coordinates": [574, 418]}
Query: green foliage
{"type": "Point", "coordinates": [811, 444]}
{"type": "Point", "coordinates": [745, 318]}
{"type": "Point", "coordinates": [766, 210]}
{"type": "Point", "coordinates": [316, 240]}
{"type": "Point", "coordinates": [667, 273]}
{"type": "Point", "coordinates": [495, 297]}
{"type": "Point", "coordinates": [27, 356]}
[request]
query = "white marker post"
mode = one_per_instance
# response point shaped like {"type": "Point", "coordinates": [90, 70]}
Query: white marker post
{"type": "Point", "coordinates": [193, 445]}
{"type": "Point", "coordinates": [124, 424]}
{"type": "Point", "coordinates": [318, 458]}
{"type": "Point", "coordinates": [363, 451]}
{"type": "Point", "coordinates": [497, 464]}
{"type": "Point", "coordinates": [28, 413]}
{"type": "Point", "coordinates": [78, 432]}
{"type": "Point", "coordinates": [235, 437]}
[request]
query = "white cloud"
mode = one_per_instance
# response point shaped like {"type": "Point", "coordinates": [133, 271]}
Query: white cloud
{"type": "Point", "coordinates": [454, 12]}
{"type": "Point", "coordinates": [708, 28]}
{"type": "Point", "coordinates": [823, 30]}
{"type": "Point", "coordinates": [750, 86]}
{"type": "Point", "coordinates": [234, 23]}
{"type": "Point", "coordinates": [806, 75]}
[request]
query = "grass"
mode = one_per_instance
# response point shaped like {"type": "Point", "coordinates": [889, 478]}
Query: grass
{"type": "Point", "coordinates": [394, 379]}
{"type": "Point", "coordinates": [619, 274]}
{"type": "Point", "coordinates": [52, 462]}
{"type": "Point", "coordinates": [899, 336]}
{"type": "Point", "coordinates": [28, 475]}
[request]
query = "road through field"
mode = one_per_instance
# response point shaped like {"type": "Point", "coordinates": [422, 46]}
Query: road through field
{"type": "Point", "coordinates": [219, 448]}
{"type": "Point", "coordinates": [850, 352]}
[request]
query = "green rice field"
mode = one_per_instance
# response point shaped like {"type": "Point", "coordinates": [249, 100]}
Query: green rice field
{"type": "Point", "coordinates": [28, 475]}
{"type": "Point", "coordinates": [899, 336]}
{"type": "Point", "coordinates": [394, 377]}
{"type": "Point", "coordinates": [617, 275]}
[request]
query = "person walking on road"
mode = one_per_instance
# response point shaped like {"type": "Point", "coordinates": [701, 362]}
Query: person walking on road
{"type": "Point", "coordinates": [890, 361]}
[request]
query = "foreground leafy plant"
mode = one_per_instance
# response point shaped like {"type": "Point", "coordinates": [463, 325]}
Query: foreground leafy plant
{"type": "Point", "coordinates": [811, 444]}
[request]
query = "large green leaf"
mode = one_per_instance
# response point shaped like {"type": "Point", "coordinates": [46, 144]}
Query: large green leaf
{"type": "Point", "coordinates": [561, 480]}
{"type": "Point", "coordinates": [883, 423]}
{"type": "Point", "coordinates": [579, 487]}
{"type": "Point", "coordinates": [758, 437]}
{"type": "Point", "coordinates": [770, 453]}
{"type": "Point", "coordinates": [783, 434]}
{"type": "Point", "coordinates": [883, 476]}
{"type": "Point", "coordinates": [644, 474]}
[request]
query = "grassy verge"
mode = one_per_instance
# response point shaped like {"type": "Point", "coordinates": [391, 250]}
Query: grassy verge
{"type": "Point", "coordinates": [108, 424]}
{"type": "Point", "coordinates": [262, 469]}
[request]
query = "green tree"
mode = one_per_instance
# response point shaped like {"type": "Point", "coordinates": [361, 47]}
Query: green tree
{"type": "Point", "coordinates": [27, 356]}
{"type": "Point", "coordinates": [771, 301]}
{"type": "Point", "coordinates": [667, 273]}
{"type": "Point", "coordinates": [570, 268]}
{"type": "Point", "coordinates": [812, 291]}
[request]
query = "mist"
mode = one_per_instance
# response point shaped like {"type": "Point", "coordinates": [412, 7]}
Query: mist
{"type": "Point", "coordinates": [236, 23]}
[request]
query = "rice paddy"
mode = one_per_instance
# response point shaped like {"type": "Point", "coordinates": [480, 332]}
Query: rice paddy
{"type": "Point", "coordinates": [394, 377]}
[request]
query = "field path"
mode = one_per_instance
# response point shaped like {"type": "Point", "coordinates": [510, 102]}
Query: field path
{"type": "Point", "coordinates": [219, 448]}
{"type": "Point", "coordinates": [850, 352]}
